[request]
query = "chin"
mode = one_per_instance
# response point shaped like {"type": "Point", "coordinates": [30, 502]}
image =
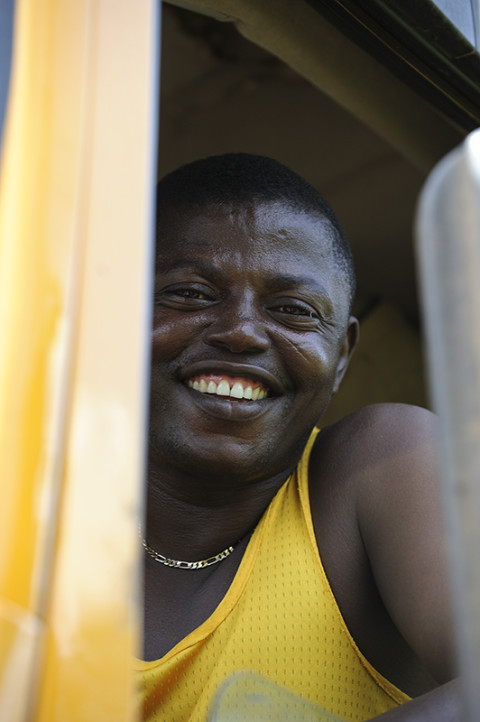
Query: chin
{"type": "Point", "coordinates": [211, 456]}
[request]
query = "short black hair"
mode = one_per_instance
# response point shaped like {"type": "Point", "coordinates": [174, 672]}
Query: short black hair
{"type": "Point", "coordinates": [241, 178]}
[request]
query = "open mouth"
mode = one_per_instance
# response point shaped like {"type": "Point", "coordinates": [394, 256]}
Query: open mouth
{"type": "Point", "coordinates": [226, 386]}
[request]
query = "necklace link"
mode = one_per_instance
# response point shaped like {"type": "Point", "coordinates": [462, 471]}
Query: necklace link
{"type": "Point", "coordinates": [177, 564]}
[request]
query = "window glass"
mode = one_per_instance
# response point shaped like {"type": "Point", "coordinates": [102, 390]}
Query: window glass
{"type": "Point", "coordinates": [6, 27]}
{"type": "Point", "coordinates": [462, 14]}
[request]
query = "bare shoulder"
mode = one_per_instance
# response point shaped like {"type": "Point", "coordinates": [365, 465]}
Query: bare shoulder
{"type": "Point", "coordinates": [389, 467]}
{"type": "Point", "coordinates": [375, 452]}
{"type": "Point", "coordinates": [381, 431]}
{"type": "Point", "coordinates": [375, 498]}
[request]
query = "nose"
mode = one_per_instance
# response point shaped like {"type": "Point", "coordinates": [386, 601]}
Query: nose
{"type": "Point", "coordinates": [240, 327]}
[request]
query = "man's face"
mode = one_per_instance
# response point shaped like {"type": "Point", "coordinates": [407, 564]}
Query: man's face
{"type": "Point", "coordinates": [250, 338]}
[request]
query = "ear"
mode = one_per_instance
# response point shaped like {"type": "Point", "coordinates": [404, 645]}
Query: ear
{"type": "Point", "coordinates": [351, 340]}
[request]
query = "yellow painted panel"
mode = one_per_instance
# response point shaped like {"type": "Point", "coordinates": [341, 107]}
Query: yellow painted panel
{"type": "Point", "coordinates": [41, 160]}
{"type": "Point", "coordinates": [40, 166]}
{"type": "Point", "coordinates": [20, 634]}
{"type": "Point", "coordinates": [75, 230]}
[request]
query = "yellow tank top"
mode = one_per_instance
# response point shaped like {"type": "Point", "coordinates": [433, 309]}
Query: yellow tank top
{"type": "Point", "coordinates": [279, 620]}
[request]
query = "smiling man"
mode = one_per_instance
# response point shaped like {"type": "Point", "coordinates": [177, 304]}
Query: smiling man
{"type": "Point", "coordinates": [307, 562]}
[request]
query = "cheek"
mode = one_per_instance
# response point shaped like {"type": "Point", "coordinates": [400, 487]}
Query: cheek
{"type": "Point", "coordinates": [169, 338]}
{"type": "Point", "coordinates": [310, 361]}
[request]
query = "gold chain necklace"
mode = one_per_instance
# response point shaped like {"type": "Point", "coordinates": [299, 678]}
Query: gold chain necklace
{"type": "Point", "coordinates": [186, 565]}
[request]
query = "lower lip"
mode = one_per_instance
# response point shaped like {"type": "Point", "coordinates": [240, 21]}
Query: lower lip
{"type": "Point", "coordinates": [226, 407]}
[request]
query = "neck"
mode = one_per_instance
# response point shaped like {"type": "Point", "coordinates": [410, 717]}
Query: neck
{"type": "Point", "coordinates": [189, 519]}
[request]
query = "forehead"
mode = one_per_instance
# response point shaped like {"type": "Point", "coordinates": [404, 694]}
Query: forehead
{"type": "Point", "coordinates": [266, 246]}
{"type": "Point", "coordinates": [259, 230]}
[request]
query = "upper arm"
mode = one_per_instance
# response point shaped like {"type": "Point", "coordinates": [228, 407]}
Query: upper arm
{"type": "Point", "coordinates": [400, 521]}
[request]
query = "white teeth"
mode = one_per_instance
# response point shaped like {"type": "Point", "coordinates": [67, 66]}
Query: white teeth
{"type": "Point", "coordinates": [237, 390]}
{"type": "Point", "coordinates": [223, 389]}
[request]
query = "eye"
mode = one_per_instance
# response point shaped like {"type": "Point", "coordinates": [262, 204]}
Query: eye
{"type": "Point", "coordinates": [296, 310]}
{"type": "Point", "coordinates": [188, 293]}
{"type": "Point", "coordinates": [296, 314]}
{"type": "Point", "coordinates": [188, 296]}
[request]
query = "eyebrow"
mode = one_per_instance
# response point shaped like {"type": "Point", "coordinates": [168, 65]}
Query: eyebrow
{"type": "Point", "coordinates": [276, 283]}
{"type": "Point", "coordinates": [280, 282]}
{"type": "Point", "coordinates": [283, 282]}
{"type": "Point", "coordinates": [197, 266]}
